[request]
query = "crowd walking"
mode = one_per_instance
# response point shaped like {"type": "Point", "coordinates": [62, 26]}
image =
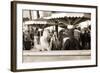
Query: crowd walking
{"type": "Point", "coordinates": [65, 39]}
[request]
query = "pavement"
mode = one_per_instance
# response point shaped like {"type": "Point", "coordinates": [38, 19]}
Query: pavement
{"type": "Point", "coordinates": [45, 56]}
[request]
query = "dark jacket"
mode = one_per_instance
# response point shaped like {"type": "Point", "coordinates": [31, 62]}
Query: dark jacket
{"type": "Point", "coordinates": [71, 44]}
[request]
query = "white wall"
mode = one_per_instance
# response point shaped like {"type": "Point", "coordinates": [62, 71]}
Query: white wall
{"type": "Point", "coordinates": [5, 37]}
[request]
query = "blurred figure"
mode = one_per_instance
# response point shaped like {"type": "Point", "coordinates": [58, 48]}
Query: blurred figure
{"type": "Point", "coordinates": [36, 36]}
{"type": "Point", "coordinates": [32, 36]}
{"type": "Point", "coordinates": [77, 33]}
{"type": "Point", "coordinates": [45, 41]}
{"type": "Point", "coordinates": [26, 40]}
{"type": "Point", "coordinates": [86, 39]}
{"type": "Point", "coordinates": [60, 39]}
{"type": "Point", "coordinates": [89, 37]}
{"type": "Point", "coordinates": [82, 40]}
{"type": "Point", "coordinates": [71, 43]}
{"type": "Point", "coordinates": [54, 42]}
{"type": "Point", "coordinates": [65, 33]}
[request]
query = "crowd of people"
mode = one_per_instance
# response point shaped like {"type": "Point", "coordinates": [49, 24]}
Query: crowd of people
{"type": "Point", "coordinates": [65, 39]}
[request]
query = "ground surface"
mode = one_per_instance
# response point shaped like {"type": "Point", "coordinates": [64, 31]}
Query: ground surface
{"type": "Point", "coordinates": [33, 56]}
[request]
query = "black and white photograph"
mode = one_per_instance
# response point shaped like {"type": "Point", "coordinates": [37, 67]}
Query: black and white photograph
{"type": "Point", "coordinates": [52, 36]}
{"type": "Point", "coordinates": [47, 31]}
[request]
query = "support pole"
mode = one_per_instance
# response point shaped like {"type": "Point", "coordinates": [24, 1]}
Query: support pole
{"type": "Point", "coordinates": [30, 14]}
{"type": "Point", "coordinates": [56, 27]}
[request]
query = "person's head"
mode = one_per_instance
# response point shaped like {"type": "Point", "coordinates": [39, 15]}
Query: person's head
{"type": "Point", "coordinates": [55, 33]}
{"type": "Point", "coordinates": [85, 30]}
{"type": "Point", "coordinates": [36, 29]}
{"type": "Point", "coordinates": [70, 33]}
{"type": "Point", "coordinates": [46, 33]}
{"type": "Point", "coordinates": [79, 28]}
{"type": "Point", "coordinates": [82, 31]}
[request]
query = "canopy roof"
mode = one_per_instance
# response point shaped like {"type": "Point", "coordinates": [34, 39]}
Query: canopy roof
{"type": "Point", "coordinates": [69, 18]}
{"type": "Point", "coordinates": [35, 22]}
{"type": "Point", "coordinates": [38, 22]}
{"type": "Point", "coordinates": [41, 23]}
{"type": "Point", "coordinates": [69, 15]}
{"type": "Point", "coordinates": [61, 19]}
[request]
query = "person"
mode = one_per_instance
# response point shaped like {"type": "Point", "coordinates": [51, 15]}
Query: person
{"type": "Point", "coordinates": [82, 39]}
{"type": "Point", "coordinates": [32, 36]}
{"type": "Point", "coordinates": [89, 38]}
{"type": "Point", "coordinates": [85, 39]}
{"type": "Point", "coordinates": [54, 42]}
{"type": "Point", "coordinates": [71, 43]}
{"type": "Point", "coordinates": [23, 40]}
{"type": "Point", "coordinates": [77, 33]}
{"type": "Point", "coordinates": [45, 41]}
{"type": "Point", "coordinates": [36, 35]}
{"type": "Point", "coordinates": [37, 45]}
{"type": "Point", "coordinates": [60, 39]}
{"type": "Point", "coordinates": [27, 40]}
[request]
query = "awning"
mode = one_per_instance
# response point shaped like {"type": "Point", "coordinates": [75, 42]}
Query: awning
{"type": "Point", "coordinates": [69, 18]}
{"type": "Point", "coordinates": [38, 21]}
{"type": "Point", "coordinates": [69, 15]}
{"type": "Point", "coordinates": [35, 22]}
